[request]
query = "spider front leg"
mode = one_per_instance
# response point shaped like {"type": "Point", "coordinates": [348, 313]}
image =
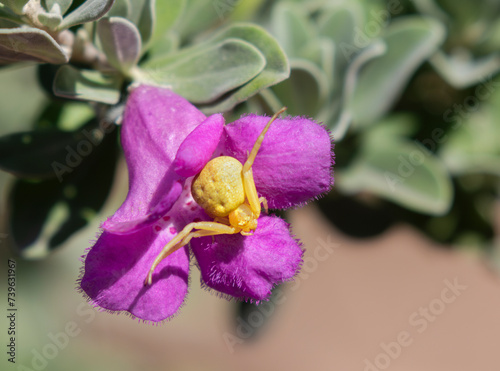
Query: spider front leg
{"type": "Point", "coordinates": [183, 238]}
{"type": "Point", "coordinates": [248, 182]}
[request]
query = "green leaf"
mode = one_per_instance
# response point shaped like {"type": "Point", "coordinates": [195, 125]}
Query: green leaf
{"type": "Point", "coordinates": [120, 41]}
{"type": "Point", "coordinates": [197, 17]}
{"type": "Point", "coordinates": [120, 8]}
{"type": "Point", "coordinates": [89, 11]}
{"type": "Point", "coordinates": [87, 85]}
{"type": "Point", "coordinates": [410, 41]}
{"type": "Point", "coordinates": [63, 5]}
{"type": "Point", "coordinates": [45, 214]}
{"type": "Point", "coordinates": [143, 16]}
{"type": "Point", "coordinates": [15, 5]}
{"type": "Point", "coordinates": [305, 91]}
{"type": "Point", "coordinates": [6, 13]}
{"type": "Point", "coordinates": [471, 146]}
{"type": "Point", "coordinates": [29, 44]}
{"type": "Point", "coordinates": [206, 73]}
{"type": "Point", "coordinates": [167, 44]}
{"type": "Point", "coordinates": [167, 14]}
{"type": "Point", "coordinates": [462, 71]}
{"type": "Point", "coordinates": [338, 24]}
{"type": "Point", "coordinates": [276, 69]}
{"type": "Point", "coordinates": [50, 20]}
{"type": "Point", "coordinates": [338, 115]}
{"type": "Point", "coordinates": [399, 170]}
{"type": "Point", "coordinates": [292, 29]}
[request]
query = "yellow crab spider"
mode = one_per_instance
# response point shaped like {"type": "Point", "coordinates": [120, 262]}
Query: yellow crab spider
{"type": "Point", "coordinates": [225, 189]}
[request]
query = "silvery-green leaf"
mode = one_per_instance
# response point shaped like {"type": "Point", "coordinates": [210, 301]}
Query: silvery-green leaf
{"type": "Point", "coordinates": [471, 145]}
{"type": "Point", "coordinates": [461, 71]}
{"type": "Point", "coordinates": [198, 16]}
{"type": "Point", "coordinates": [167, 14]}
{"type": "Point", "coordinates": [305, 91]}
{"type": "Point", "coordinates": [15, 5]}
{"type": "Point", "coordinates": [63, 5]}
{"type": "Point", "coordinates": [6, 13]}
{"type": "Point", "coordinates": [163, 46]}
{"type": "Point", "coordinates": [29, 44]}
{"type": "Point", "coordinates": [50, 20]}
{"type": "Point", "coordinates": [339, 24]}
{"type": "Point", "coordinates": [292, 28]}
{"type": "Point", "coordinates": [142, 15]}
{"type": "Point", "coordinates": [90, 10]}
{"type": "Point", "coordinates": [410, 41]}
{"type": "Point", "coordinates": [276, 69]}
{"type": "Point", "coordinates": [121, 8]}
{"type": "Point", "coordinates": [87, 85]}
{"type": "Point", "coordinates": [470, 12]}
{"type": "Point", "coordinates": [327, 56]}
{"type": "Point", "coordinates": [429, 7]}
{"type": "Point", "coordinates": [120, 41]}
{"type": "Point", "coordinates": [241, 11]}
{"type": "Point", "coordinates": [339, 121]}
{"type": "Point", "coordinates": [401, 171]}
{"type": "Point", "coordinates": [207, 73]}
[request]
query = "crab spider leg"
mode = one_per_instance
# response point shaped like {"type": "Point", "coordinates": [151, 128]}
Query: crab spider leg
{"type": "Point", "coordinates": [183, 238]}
{"type": "Point", "coordinates": [248, 182]}
{"type": "Point", "coordinates": [251, 157]}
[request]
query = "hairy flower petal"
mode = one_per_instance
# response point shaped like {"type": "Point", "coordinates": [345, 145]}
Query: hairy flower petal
{"type": "Point", "coordinates": [294, 163]}
{"type": "Point", "coordinates": [155, 123]}
{"type": "Point", "coordinates": [247, 267]}
{"type": "Point", "coordinates": [197, 149]}
{"type": "Point", "coordinates": [115, 269]}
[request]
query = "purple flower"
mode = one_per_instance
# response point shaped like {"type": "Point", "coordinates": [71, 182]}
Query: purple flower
{"type": "Point", "coordinates": [167, 141]}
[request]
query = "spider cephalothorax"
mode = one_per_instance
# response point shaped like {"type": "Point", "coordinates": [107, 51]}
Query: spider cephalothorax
{"type": "Point", "coordinates": [226, 190]}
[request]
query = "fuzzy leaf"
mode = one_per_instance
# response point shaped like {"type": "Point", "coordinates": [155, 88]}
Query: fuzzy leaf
{"type": "Point", "coordinates": [120, 41]}
{"type": "Point", "coordinates": [276, 68]}
{"type": "Point", "coordinates": [143, 16]}
{"type": "Point", "coordinates": [70, 82]}
{"type": "Point", "coordinates": [472, 146]}
{"type": "Point", "coordinates": [306, 89]}
{"type": "Point", "coordinates": [206, 73]}
{"type": "Point", "coordinates": [120, 8]}
{"type": "Point", "coordinates": [29, 44]}
{"type": "Point", "coordinates": [15, 5]}
{"type": "Point", "coordinates": [6, 13]}
{"type": "Point", "coordinates": [292, 29]}
{"type": "Point", "coordinates": [399, 170]}
{"type": "Point", "coordinates": [63, 5]}
{"type": "Point", "coordinates": [89, 11]}
{"type": "Point", "coordinates": [50, 20]}
{"type": "Point", "coordinates": [410, 41]}
{"type": "Point", "coordinates": [167, 13]}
